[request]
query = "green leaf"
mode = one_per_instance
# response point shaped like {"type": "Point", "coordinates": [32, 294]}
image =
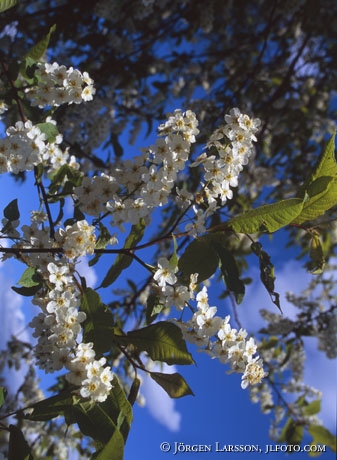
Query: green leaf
{"type": "Point", "coordinates": [26, 291]}
{"type": "Point", "coordinates": [163, 341]}
{"type": "Point", "coordinates": [30, 278]}
{"type": "Point", "coordinates": [199, 257]}
{"type": "Point", "coordinates": [3, 394]}
{"type": "Point", "coordinates": [268, 218]}
{"type": "Point", "coordinates": [174, 384]}
{"type": "Point", "coordinates": [267, 273]}
{"type": "Point", "coordinates": [230, 272]}
{"type": "Point", "coordinates": [18, 448]}
{"type": "Point", "coordinates": [73, 176]}
{"type": "Point", "coordinates": [292, 433]}
{"type": "Point", "coordinates": [133, 393]}
{"type": "Point", "coordinates": [98, 326]}
{"type": "Point", "coordinates": [153, 307]}
{"type": "Point", "coordinates": [322, 436]}
{"type": "Point", "coordinates": [50, 408]}
{"type": "Point", "coordinates": [313, 408]}
{"type": "Point", "coordinates": [7, 4]}
{"type": "Point", "coordinates": [101, 421]}
{"type": "Point", "coordinates": [124, 260]}
{"type": "Point", "coordinates": [38, 50]}
{"type": "Point", "coordinates": [317, 262]}
{"type": "Point", "coordinates": [11, 211]}
{"type": "Point", "coordinates": [113, 449]}
{"type": "Point", "coordinates": [49, 130]}
{"type": "Point", "coordinates": [326, 166]}
{"type": "Point", "coordinates": [320, 186]}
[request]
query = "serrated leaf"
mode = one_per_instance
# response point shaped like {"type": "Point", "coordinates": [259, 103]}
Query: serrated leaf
{"type": "Point", "coordinates": [317, 261]}
{"type": "Point", "coordinates": [29, 278]}
{"type": "Point", "coordinates": [7, 4]}
{"type": "Point", "coordinates": [326, 166]}
{"type": "Point", "coordinates": [174, 384]}
{"type": "Point", "coordinates": [98, 326]}
{"type": "Point", "coordinates": [18, 448]}
{"type": "Point", "coordinates": [199, 257]}
{"type": "Point", "coordinates": [322, 436]}
{"type": "Point", "coordinates": [124, 260]}
{"type": "Point", "coordinates": [268, 218]}
{"type": "Point", "coordinates": [163, 341]}
{"type": "Point", "coordinates": [320, 186]}
{"type": "Point", "coordinates": [11, 211]}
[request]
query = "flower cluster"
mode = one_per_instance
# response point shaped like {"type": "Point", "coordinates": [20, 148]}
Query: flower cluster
{"type": "Point", "coordinates": [230, 346]}
{"type": "Point", "coordinates": [59, 85]}
{"type": "Point", "coordinates": [138, 186]}
{"type": "Point", "coordinates": [58, 327]}
{"type": "Point", "coordinates": [25, 146]}
{"type": "Point", "coordinates": [77, 239]}
{"type": "Point", "coordinates": [90, 374]}
{"type": "Point", "coordinates": [22, 149]}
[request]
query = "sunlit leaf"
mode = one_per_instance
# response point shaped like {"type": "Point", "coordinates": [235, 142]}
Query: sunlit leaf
{"type": "Point", "coordinates": [7, 4]}
{"type": "Point", "coordinates": [163, 341]}
{"type": "Point", "coordinates": [320, 187]}
{"type": "Point", "coordinates": [268, 218]}
{"type": "Point", "coordinates": [322, 436]}
{"type": "Point", "coordinates": [29, 278]}
{"type": "Point", "coordinates": [49, 130]}
{"type": "Point", "coordinates": [38, 50]}
{"type": "Point", "coordinates": [174, 384]}
{"type": "Point", "coordinates": [113, 449]}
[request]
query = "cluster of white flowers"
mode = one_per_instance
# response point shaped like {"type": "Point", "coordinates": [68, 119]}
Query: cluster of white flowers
{"type": "Point", "coordinates": [59, 85]}
{"type": "Point", "coordinates": [58, 328]}
{"type": "Point", "coordinates": [90, 374]}
{"type": "Point", "coordinates": [77, 239]}
{"type": "Point", "coordinates": [138, 186]}
{"type": "Point", "coordinates": [232, 145]}
{"type": "Point", "coordinates": [230, 346]}
{"type": "Point", "coordinates": [22, 149]}
{"type": "Point", "coordinates": [25, 146]}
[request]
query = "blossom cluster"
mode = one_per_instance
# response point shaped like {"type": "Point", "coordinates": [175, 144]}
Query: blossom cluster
{"type": "Point", "coordinates": [137, 186]}
{"type": "Point", "coordinates": [25, 146]}
{"type": "Point", "coordinates": [59, 85]}
{"type": "Point", "coordinates": [77, 240]}
{"type": "Point", "coordinates": [58, 329]}
{"type": "Point", "coordinates": [228, 344]}
{"type": "Point", "coordinates": [22, 149]}
{"type": "Point", "coordinates": [230, 146]}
